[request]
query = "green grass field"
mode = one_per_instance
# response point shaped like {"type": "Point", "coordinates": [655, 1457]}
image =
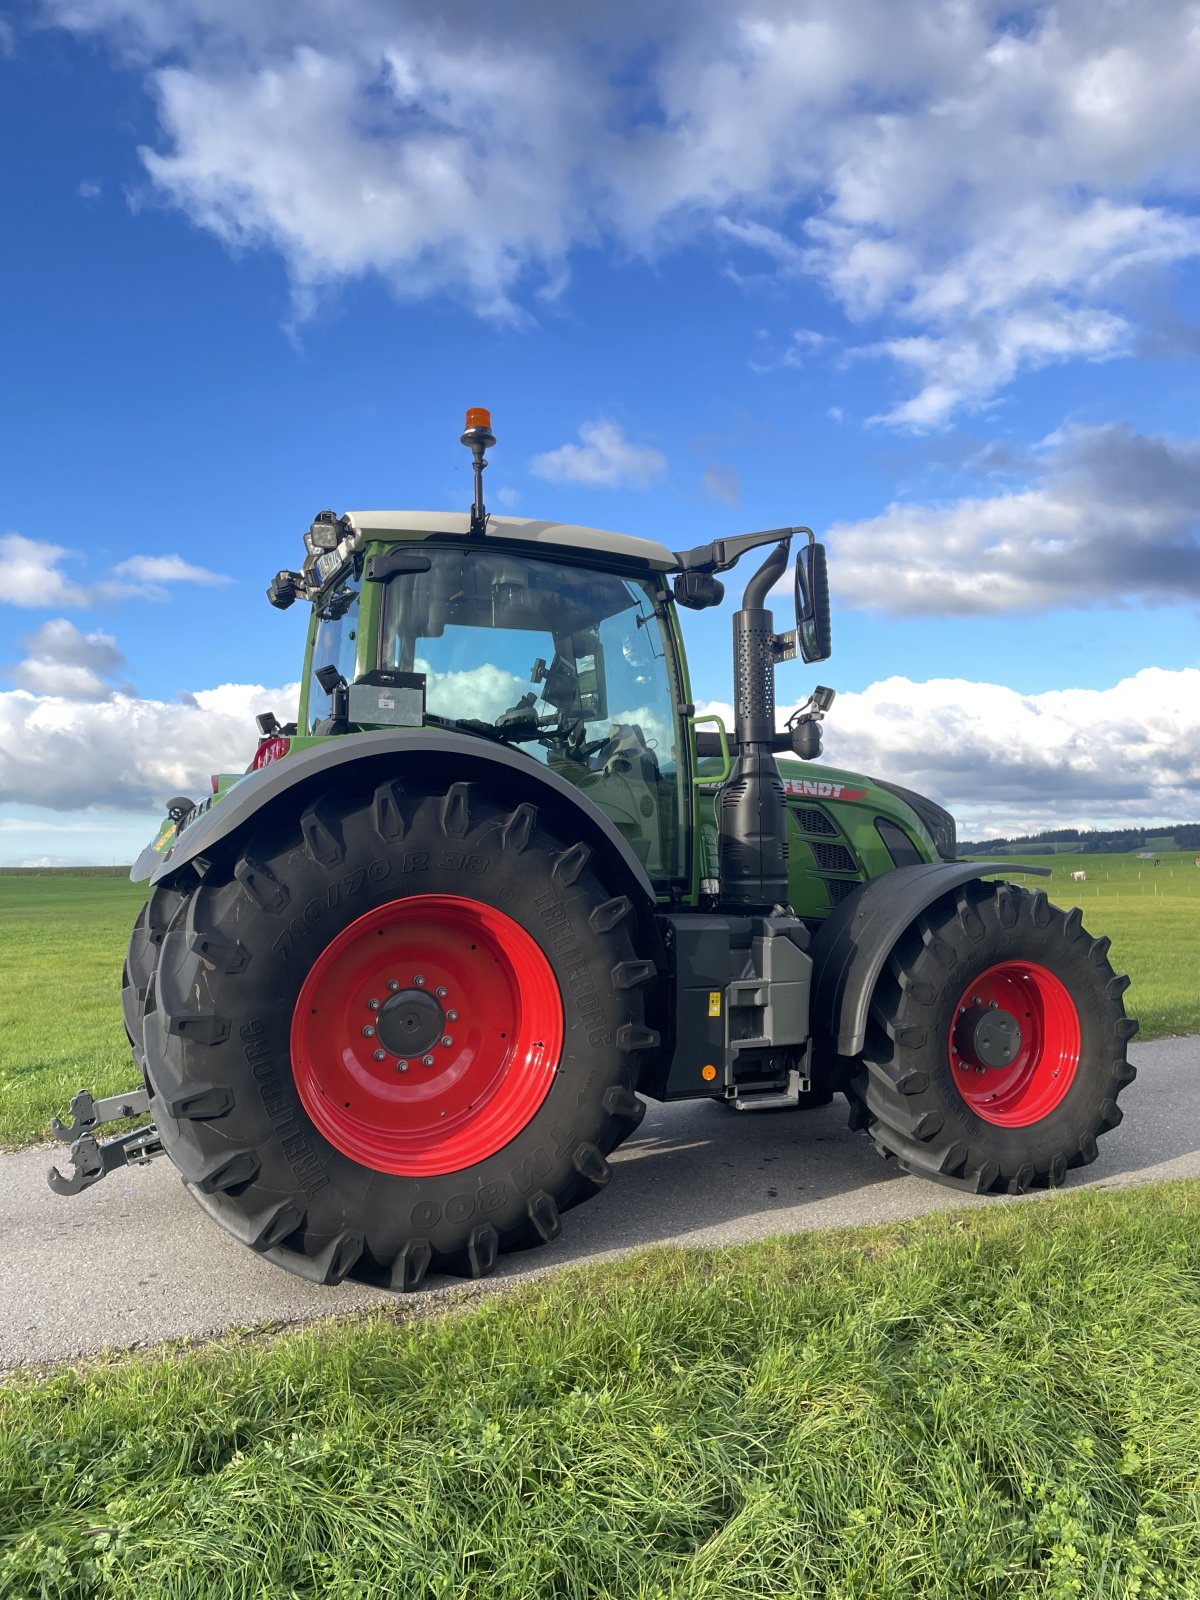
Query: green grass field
{"type": "Point", "coordinates": [62, 943]}
{"type": "Point", "coordinates": [63, 939]}
{"type": "Point", "coordinates": [999, 1405]}
{"type": "Point", "coordinates": [1152, 915]}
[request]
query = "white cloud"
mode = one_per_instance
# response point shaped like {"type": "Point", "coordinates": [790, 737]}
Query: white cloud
{"type": "Point", "coordinates": [31, 575]}
{"type": "Point", "coordinates": [65, 662]}
{"type": "Point", "coordinates": [605, 460]}
{"type": "Point", "coordinates": [167, 569]}
{"type": "Point", "coordinates": [723, 484]}
{"type": "Point", "coordinates": [60, 640]}
{"type": "Point", "coordinates": [127, 753]}
{"type": "Point", "coordinates": [967, 366]}
{"type": "Point", "coordinates": [1114, 517]}
{"type": "Point", "coordinates": [1068, 757]}
{"type": "Point", "coordinates": [978, 177]}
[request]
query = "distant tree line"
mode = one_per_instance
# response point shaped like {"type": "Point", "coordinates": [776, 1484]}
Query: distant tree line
{"type": "Point", "coordinates": [1095, 841]}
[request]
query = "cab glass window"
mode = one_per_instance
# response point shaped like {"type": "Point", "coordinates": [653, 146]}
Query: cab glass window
{"type": "Point", "coordinates": [335, 644]}
{"type": "Point", "coordinates": [571, 666]}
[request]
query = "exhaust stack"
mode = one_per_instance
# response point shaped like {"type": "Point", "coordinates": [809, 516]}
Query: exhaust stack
{"type": "Point", "coordinates": [753, 807]}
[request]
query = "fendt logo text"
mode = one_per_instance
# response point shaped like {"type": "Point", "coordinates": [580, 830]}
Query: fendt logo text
{"type": "Point", "coordinates": [822, 789]}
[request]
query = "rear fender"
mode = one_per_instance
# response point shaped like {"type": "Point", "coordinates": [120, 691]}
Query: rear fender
{"type": "Point", "coordinates": [367, 759]}
{"type": "Point", "coordinates": [854, 942]}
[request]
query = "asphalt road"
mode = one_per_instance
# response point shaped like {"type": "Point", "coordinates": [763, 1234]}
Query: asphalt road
{"type": "Point", "coordinates": [133, 1260]}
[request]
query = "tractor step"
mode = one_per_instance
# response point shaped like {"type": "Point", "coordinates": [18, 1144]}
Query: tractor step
{"type": "Point", "coordinates": [771, 1099]}
{"type": "Point", "coordinates": [92, 1158]}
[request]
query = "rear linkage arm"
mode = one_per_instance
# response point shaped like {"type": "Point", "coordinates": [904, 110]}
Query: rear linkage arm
{"type": "Point", "coordinates": [92, 1158]}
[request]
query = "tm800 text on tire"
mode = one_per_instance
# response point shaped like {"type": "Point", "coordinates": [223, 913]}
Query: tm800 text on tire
{"type": "Point", "coordinates": [996, 1046]}
{"type": "Point", "coordinates": [400, 1034]}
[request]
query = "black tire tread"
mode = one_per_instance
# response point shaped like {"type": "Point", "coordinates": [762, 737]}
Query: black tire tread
{"type": "Point", "coordinates": [191, 1026]}
{"type": "Point", "coordinates": [900, 1100]}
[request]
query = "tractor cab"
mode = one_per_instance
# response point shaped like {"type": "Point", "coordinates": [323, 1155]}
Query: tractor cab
{"type": "Point", "coordinates": [562, 643]}
{"type": "Point", "coordinates": [575, 667]}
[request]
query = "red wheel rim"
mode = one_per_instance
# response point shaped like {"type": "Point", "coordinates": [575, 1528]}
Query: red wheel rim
{"type": "Point", "coordinates": [473, 995]}
{"type": "Point", "coordinates": [1014, 1076]}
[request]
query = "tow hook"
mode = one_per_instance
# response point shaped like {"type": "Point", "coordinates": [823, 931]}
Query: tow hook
{"type": "Point", "coordinates": [87, 1113]}
{"type": "Point", "coordinates": [92, 1158]}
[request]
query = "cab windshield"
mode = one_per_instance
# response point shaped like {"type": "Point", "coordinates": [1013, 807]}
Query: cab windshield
{"type": "Point", "coordinates": [572, 666]}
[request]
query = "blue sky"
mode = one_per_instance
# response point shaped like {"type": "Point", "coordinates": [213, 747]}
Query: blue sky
{"type": "Point", "coordinates": [924, 277]}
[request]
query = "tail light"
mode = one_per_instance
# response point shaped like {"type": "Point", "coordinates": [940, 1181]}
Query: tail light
{"type": "Point", "coordinates": [269, 750]}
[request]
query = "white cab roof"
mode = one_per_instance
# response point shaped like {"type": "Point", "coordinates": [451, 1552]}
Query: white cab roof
{"type": "Point", "coordinates": [560, 535]}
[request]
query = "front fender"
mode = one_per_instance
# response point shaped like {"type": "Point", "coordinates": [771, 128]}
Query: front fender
{"type": "Point", "coordinates": [854, 942]}
{"type": "Point", "coordinates": [372, 758]}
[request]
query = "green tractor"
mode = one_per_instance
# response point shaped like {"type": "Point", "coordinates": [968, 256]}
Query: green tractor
{"type": "Point", "coordinates": [399, 990]}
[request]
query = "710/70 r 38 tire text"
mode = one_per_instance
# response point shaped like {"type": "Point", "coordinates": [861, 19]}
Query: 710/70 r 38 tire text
{"type": "Point", "coordinates": [400, 1034]}
{"type": "Point", "coordinates": [996, 1046]}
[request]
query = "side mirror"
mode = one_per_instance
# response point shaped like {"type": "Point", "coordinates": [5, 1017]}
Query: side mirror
{"type": "Point", "coordinates": [812, 603]}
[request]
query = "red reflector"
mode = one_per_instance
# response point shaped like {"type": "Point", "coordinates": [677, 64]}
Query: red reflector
{"type": "Point", "coordinates": [215, 779]}
{"type": "Point", "coordinates": [269, 750]}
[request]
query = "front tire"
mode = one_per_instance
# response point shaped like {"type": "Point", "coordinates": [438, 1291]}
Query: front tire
{"type": "Point", "coordinates": [309, 1080]}
{"type": "Point", "coordinates": [996, 1046]}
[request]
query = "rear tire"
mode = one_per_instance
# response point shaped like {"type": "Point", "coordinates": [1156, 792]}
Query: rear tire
{"type": "Point", "coordinates": [145, 942]}
{"type": "Point", "coordinates": [956, 1101]}
{"type": "Point", "coordinates": [266, 1083]}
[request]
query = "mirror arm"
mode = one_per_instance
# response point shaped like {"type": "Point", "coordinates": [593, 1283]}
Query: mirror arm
{"type": "Point", "coordinates": [721, 554]}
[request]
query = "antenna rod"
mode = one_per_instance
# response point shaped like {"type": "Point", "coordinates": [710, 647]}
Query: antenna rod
{"type": "Point", "coordinates": [479, 438]}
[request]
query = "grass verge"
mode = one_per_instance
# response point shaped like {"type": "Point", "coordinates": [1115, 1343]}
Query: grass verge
{"type": "Point", "coordinates": [1000, 1404]}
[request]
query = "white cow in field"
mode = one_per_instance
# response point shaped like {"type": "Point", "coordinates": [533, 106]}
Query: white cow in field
{"type": "Point", "coordinates": [1079, 877]}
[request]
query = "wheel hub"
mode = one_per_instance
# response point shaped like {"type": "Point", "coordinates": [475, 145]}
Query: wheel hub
{"type": "Point", "coordinates": [410, 1023]}
{"type": "Point", "coordinates": [1014, 1044]}
{"type": "Point", "coordinates": [990, 1036]}
{"type": "Point", "coordinates": [426, 1035]}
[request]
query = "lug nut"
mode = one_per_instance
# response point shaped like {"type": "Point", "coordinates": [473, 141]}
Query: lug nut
{"type": "Point", "coordinates": [428, 1060]}
{"type": "Point", "coordinates": [402, 1066]}
{"type": "Point", "coordinates": [419, 981]}
{"type": "Point", "coordinates": [381, 1055]}
{"type": "Point", "coordinates": [452, 1016]}
{"type": "Point", "coordinates": [368, 1032]}
{"type": "Point", "coordinates": [373, 1005]}
{"type": "Point", "coordinates": [447, 1040]}
{"type": "Point", "coordinates": [393, 984]}
{"type": "Point", "coordinates": [441, 993]}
